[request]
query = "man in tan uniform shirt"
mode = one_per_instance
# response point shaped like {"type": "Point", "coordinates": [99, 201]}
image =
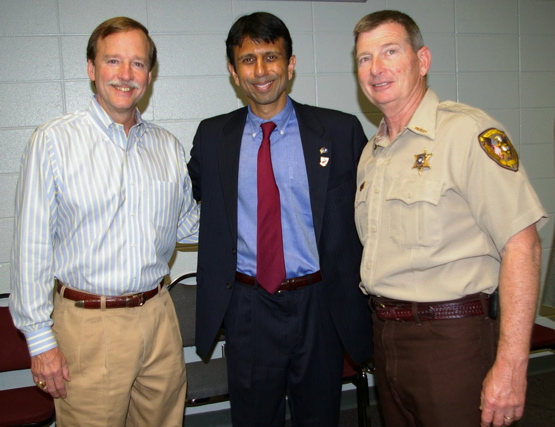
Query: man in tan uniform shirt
{"type": "Point", "coordinates": [446, 215]}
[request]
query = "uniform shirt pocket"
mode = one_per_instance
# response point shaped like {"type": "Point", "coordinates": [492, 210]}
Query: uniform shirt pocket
{"type": "Point", "coordinates": [414, 215]}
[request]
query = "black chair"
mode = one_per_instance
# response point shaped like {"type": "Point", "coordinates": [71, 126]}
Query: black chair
{"type": "Point", "coordinates": [206, 381]}
{"type": "Point", "coordinates": [542, 339]}
{"type": "Point", "coordinates": [357, 375]}
{"type": "Point", "coordinates": [24, 406]}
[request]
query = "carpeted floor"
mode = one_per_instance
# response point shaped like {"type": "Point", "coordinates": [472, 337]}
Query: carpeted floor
{"type": "Point", "coordinates": [540, 405]}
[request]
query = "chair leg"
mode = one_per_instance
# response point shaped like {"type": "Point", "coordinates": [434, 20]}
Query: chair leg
{"type": "Point", "coordinates": [363, 399]}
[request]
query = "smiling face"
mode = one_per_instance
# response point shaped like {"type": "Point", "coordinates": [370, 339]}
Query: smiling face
{"type": "Point", "coordinates": [390, 72]}
{"type": "Point", "coordinates": [121, 74]}
{"type": "Point", "coordinates": [263, 72]}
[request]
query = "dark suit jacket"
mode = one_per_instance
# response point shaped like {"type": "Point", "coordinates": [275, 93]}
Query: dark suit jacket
{"type": "Point", "coordinates": [214, 168]}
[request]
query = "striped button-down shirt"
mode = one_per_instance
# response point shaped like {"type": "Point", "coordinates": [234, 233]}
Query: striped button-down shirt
{"type": "Point", "coordinates": [99, 210]}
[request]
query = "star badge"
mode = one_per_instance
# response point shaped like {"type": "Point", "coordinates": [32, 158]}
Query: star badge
{"type": "Point", "coordinates": [421, 161]}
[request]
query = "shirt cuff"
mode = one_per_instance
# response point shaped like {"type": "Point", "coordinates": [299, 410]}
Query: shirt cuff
{"type": "Point", "coordinates": [40, 341]}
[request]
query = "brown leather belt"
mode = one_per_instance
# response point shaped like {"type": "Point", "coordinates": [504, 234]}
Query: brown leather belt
{"type": "Point", "coordinates": [86, 300]}
{"type": "Point", "coordinates": [287, 285]}
{"type": "Point", "coordinates": [409, 311]}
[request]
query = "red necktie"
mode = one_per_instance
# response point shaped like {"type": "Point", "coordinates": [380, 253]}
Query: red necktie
{"type": "Point", "coordinates": [270, 263]}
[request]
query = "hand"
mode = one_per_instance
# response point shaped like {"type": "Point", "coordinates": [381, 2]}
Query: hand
{"type": "Point", "coordinates": [50, 367]}
{"type": "Point", "coordinates": [503, 396]}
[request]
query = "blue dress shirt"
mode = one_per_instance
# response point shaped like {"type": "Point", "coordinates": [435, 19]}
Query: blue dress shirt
{"type": "Point", "coordinates": [299, 240]}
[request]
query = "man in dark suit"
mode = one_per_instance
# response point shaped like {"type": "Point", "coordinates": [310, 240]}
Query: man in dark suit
{"type": "Point", "coordinates": [290, 341]}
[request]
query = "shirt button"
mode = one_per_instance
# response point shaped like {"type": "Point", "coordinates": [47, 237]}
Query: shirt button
{"type": "Point", "coordinates": [374, 229]}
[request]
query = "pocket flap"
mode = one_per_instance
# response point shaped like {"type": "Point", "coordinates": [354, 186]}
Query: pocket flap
{"type": "Point", "coordinates": [415, 190]}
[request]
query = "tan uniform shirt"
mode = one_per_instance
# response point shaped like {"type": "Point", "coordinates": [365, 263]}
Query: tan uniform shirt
{"type": "Point", "coordinates": [434, 233]}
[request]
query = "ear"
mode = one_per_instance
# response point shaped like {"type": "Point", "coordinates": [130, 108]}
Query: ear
{"type": "Point", "coordinates": [233, 73]}
{"type": "Point", "coordinates": [91, 70]}
{"type": "Point", "coordinates": [425, 59]}
{"type": "Point", "coordinates": [149, 77]}
{"type": "Point", "coordinates": [291, 66]}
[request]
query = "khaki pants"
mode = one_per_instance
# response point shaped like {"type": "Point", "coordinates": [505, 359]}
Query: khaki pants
{"type": "Point", "coordinates": [126, 364]}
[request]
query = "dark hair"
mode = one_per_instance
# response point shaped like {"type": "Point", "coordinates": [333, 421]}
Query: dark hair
{"type": "Point", "coordinates": [374, 20]}
{"type": "Point", "coordinates": [120, 24]}
{"type": "Point", "coordinates": [260, 27]}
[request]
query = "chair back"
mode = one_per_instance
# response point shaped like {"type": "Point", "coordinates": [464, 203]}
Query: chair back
{"type": "Point", "coordinates": [14, 353]}
{"type": "Point", "coordinates": [184, 297]}
{"type": "Point", "coordinates": [21, 406]}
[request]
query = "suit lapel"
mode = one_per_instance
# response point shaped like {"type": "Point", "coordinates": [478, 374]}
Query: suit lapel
{"type": "Point", "coordinates": [229, 149]}
{"type": "Point", "coordinates": [314, 138]}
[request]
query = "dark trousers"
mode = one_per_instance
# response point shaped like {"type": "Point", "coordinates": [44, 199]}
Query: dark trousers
{"type": "Point", "coordinates": [430, 374]}
{"type": "Point", "coordinates": [278, 345]}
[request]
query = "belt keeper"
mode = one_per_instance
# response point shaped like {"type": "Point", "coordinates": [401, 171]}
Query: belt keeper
{"type": "Point", "coordinates": [415, 313]}
{"type": "Point", "coordinates": [103, 303]}
{"type": "Point", "coordinates": [484, 303]}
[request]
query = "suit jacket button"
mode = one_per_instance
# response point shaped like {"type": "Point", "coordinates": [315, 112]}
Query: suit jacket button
{"type": "Point", "coordinates": [234, 251]}
{"type": "Point", "coordinates": [229, 285]}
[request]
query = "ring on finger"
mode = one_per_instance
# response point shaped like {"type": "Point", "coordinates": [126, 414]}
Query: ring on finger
{"type": "Point", "coordinates": [508, 418]}
{"type": "Point", "coordinates": [41, 385]}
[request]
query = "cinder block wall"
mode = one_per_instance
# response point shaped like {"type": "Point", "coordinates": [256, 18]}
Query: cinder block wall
{"type": "Point", "coordinates": [495, 54]}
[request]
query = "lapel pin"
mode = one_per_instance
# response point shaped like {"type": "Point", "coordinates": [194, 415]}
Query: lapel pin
{"type": "Point", "coordinates": [324, 157]}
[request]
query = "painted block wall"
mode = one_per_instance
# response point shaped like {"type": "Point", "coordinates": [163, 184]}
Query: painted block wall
{"type": "Point", "coordinates": [497, 55]}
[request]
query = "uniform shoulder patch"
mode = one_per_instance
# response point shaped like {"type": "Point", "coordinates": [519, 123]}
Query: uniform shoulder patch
{"type": "Point", "coordinates": [498, 147]}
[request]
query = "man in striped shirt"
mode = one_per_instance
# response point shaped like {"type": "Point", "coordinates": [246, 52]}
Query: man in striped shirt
{"type": "Point", "coordinates": [102, 198]}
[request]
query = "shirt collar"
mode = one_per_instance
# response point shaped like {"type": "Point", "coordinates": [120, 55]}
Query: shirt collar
{"type": "Point", "coordinates": [281, 119]}
{"type": "Point", "coordinates": [105, 122]}
{"type": "Point", "coordinates": [422, 122]}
